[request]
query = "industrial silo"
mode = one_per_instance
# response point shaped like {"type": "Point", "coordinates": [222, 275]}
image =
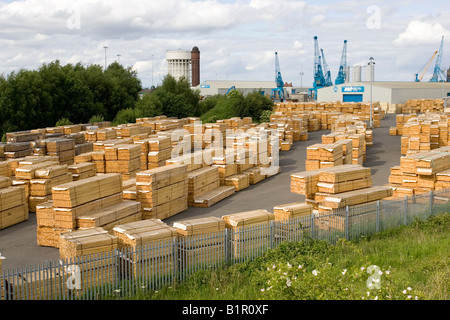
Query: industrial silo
{"type": "Point", "coordinates": [370, 71]}
{"type": "Point", "coordinates": [179, 64]}
{"type": "Point", "coordinates": [357, 73]}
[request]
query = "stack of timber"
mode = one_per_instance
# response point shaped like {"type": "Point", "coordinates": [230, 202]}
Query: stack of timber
{"type": "Point", "coordinates": [421, 172]}
{"type": "Point", "coordinates": [162, 191]}
{"type": "Point", "coordinates": [31, 173]}
{"type": "Point", "coordinates": [352, 154]}
{"type": "Point", "coordinates": [159, 151]}
{"type": "Point", "coordinates": [202, 240]}
{"type": "Point", "coordinates": [44, 180]}
{"type": "Point", "coordinates": [204, 189]}
{"type": "Point", "coordinates": [319, 156]}
{"type": "Point", "coordinates": [76, 199]}
{"type": "Point", "coordinates": [250, 231]}
{"type": "Point", "coordinates": [147, 246]}
{"type": "Point", "coordinates": [330, 189]}
{"type": "Point", "coordinates": [88, 242]}
{"type": "Point", "coordinates": [13, 205]}
{"type": "Point", "coordinates": [64, 148]}
{"type": "Point", "coordinates": [82, 170]}
{"type": "Point", "coordinates": [422, 132]}
{"type": "Point", "coordinates": [294, 220]}
{"type": "Point", "coordinates": [415, 106]}
{"type": "Point", "coordinates": [124, 159]}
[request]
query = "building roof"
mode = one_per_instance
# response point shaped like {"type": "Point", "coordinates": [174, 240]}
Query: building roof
{"type": "Point", "coordinates": [400, 84]}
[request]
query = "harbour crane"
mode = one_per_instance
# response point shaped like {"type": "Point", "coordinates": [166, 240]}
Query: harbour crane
{"type": "Point", "coordinates": [279, 90]}
{"type": "Point", "coordinates": [319, 79]}
{"type": "Point", "coordinates": [342, 73]}
{"type": "Point", "coordinates": [326, 71]}
{"type": "Point", "coordinates": [438, 75]}
{"type": "Point", "coordinates": [418, 79]}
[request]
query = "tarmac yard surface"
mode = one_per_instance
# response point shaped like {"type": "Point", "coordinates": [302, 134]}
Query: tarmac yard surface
{"type": "Point", "coordinates": [19, 245]}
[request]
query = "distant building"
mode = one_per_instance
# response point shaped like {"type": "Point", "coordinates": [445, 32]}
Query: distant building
{"type": "Point", "coordinates": [181, 63]}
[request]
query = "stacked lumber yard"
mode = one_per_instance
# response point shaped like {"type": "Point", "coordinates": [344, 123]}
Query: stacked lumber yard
{"type": "Point", "coordinates": [326, 111]}
{"type": "Point", "coordinates": [421, 132]}
{"type": "Point", "coordinates": [421, 172]}
{"type": "Point", "coordinates": [83, 181]}
{"type": "Point", "coordinates": [415, 106]}
{"type": "Point", "coordinates": [330, 189]}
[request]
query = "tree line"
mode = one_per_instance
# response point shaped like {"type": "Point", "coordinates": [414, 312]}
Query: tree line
{"type": "Point", "coordinates": [74, 93]}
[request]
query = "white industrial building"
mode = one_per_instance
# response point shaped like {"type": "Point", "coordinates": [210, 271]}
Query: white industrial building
{"type": "Point", "coordinates": [213, 87]}
{"type": "Point", "coordinates": [391, 92]}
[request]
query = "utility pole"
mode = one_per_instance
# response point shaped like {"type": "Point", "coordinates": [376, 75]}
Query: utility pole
{"type": "Point", "coordinates": [105, 47]}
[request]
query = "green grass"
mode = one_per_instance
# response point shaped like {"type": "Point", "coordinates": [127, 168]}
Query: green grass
{"type": "Point", "coordinates": [414, 261]}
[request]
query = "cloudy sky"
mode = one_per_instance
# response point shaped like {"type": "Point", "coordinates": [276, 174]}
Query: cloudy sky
{"type": "Point", "coordinates": [237, 38]}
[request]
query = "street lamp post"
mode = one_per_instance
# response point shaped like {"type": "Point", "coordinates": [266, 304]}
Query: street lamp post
{"type": "Point", "coordinates": [371, 86]}
{"type": "Point", "coordinates": [105, 47]}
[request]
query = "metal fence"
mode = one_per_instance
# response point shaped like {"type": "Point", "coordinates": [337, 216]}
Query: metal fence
{"type": "Point", "coordinates": [129, 271]}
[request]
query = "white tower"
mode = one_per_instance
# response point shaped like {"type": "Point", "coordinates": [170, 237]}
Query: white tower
{"type": "Point", "coordinates": [179, 64]}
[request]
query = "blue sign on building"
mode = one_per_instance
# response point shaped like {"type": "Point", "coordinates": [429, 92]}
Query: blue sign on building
{"type": "Point", "coordinates": [353, 89]}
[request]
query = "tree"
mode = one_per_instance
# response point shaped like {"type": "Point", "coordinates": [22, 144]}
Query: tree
{"type": "Point", "coordinates": [174, 98]}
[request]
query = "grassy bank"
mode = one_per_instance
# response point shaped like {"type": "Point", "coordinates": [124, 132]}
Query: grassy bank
{"type": "Point", "coordinates": [410, 262]}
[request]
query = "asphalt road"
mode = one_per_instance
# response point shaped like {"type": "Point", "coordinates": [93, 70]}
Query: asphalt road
{"type": "Point", "coordinates": [19, 245]}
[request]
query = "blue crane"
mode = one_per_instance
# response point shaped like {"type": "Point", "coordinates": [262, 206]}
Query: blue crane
{"type": "Point", "coordinates": [327, 73]}
{"type": "Point", "coordinates": [342, 73]}
{"type": "Point", "coordinates": [279, 90]}
{"type": "Point", "coordinates": [319, 79]}
{"type": "Point", "coordinates": [438, 75]}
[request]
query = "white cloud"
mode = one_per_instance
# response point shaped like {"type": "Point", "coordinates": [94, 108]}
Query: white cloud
{"type": "Point", "coordinates": [420, 33]}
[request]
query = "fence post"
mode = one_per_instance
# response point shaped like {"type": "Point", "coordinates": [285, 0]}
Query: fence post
{"type": "Point", "coordinates": [346, 222]}
{"type": "Point", "coordinates": [227, 246]}
{"type": "Point", "coordinates": [377, 221]}
{"type": "Point", "coordinates": [312, 225]}
{"type": "Point", "coordinates": [405, 214]}
{"type": "Point", "coordinates": [431, 202]}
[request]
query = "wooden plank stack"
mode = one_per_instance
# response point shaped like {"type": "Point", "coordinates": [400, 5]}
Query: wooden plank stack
{"type": "Point", "coordinates": [422, 132]}
{"type": "Point", "coordinates": [76, 199]}
{"type": "Point", "coordinates": [333, 188]}
{"type": "Point", "coordinates": [147, 245]}
{"type": "Point", "coordinates": [13, 206]}
{"type": "Point", "coordinates": [82, 170]}
{"type": "Point", "coordinates": [354, 153]}
{"type": "Point", "coordinates": [162, 191]}
{"type": "Point", "coordinates": [294, 220]}
{"type": "Point", "coordinates": [124, 159]}
{"type": "Point", "coordinates": [64, 148]}
{"type": "Point", "coordinates": [320, 156]}
{"type": "Point", "coordinates": [202, 240]}
{"type": "Point", "coordinates": [45, 179]}
{"type": "Point", "coordinates": [250, 231]}
{"type": "Point", "coordinates": [204, 189]}
{"type": "Point", "coordinates": [87, 242]}
{"type": "Point", "coordinates": [421, 172]}
{"type": "Point", "coordinates": [159, 150]}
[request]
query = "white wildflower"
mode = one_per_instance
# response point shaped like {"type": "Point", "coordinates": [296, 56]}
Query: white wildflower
{"type": "Point", "coordinates": [344, 271]}
{"type": "Point", "coordinates": [409, 296]}
{"type": "Point", "coordinates": [376, 298]}
{"type": "Point", "coordinates": [300, 266]}
{"type": "Point", "coordinates": [404, 291]}
{"type": "Point", "coordinates": [368, 293]}
{"type": "Point", "coordinates": [262, 290]}
{"type": "Point", "coordinates": [416, 298]}
{"type": "Point", "coordinates": [409, 288]}
{"type": "Point", "coordinates": [315, 272]}
{"type": "Point", "coordinates": [288, 282]}
{"type": "Point", "coordinates": [362, 268]}
{"type": "Point", "coordinates": [388, 272]}
{"type": "Point", "coordinates": [289, 265]}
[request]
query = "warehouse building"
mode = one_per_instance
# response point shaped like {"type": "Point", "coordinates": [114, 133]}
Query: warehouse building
{"type": "Point", "coordinates": [212, 87]}
{"type": "Point", "coordinates": [390, 92]}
